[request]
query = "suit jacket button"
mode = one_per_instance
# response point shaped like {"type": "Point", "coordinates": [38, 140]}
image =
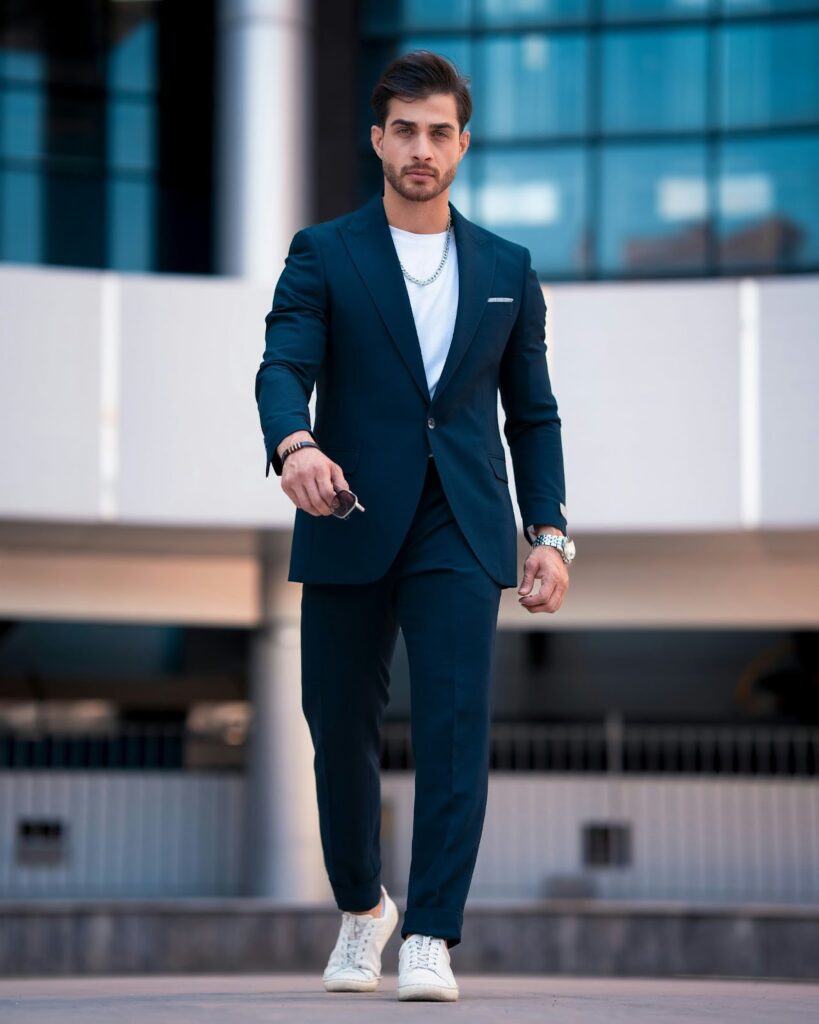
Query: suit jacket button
{"type": "Point", "coordinates": [431, 423]}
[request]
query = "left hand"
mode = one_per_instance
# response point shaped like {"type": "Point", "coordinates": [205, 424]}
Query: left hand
{"type": "Point", "coordinates": [544, 564]}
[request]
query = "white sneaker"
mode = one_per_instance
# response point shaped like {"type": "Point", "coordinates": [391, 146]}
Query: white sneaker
{"type": "Point", "coordinates": [355, 963]}
{"type": "Point", "coordinates": [423, 969]}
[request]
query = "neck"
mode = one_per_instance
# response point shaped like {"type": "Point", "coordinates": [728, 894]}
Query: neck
{"type": "Point", "coordinates": [423, 218]}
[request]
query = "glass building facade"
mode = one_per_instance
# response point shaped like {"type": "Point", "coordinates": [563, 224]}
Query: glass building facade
{"type": "Point", "coordinates": [106, 134]}
{"type": "Point", "coordinates": [627, 138]}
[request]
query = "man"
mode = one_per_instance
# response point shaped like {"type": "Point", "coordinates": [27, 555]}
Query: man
{"type": "Point", "coordinates": [409, 319]}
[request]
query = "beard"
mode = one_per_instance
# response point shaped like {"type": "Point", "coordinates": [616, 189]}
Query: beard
{"type": "Point", "coordinates": [417, 191]}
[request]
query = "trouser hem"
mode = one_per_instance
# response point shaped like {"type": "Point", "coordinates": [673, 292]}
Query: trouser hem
{"type": "Point", "coordinates": [442, 923]}
{"type": "Point", "coordinates": [358, 898]}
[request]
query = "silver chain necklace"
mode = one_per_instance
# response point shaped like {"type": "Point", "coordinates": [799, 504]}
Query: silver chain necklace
{"type": "Point", "coordinates": [429, 280]}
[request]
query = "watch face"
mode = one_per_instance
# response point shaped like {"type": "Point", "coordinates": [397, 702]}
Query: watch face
{"type": "Point", "coordinates": [568, 549]}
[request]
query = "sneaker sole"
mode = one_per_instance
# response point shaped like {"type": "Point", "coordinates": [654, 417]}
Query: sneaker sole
{"type": "Point", "coordinates": [360, 985]}
{"type": "Point", "coordinates": [436, 992]}
{"type": "Point", "coordinates": [349, 985]}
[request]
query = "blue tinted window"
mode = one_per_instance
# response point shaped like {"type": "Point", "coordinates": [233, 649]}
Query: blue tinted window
{"type": "Point", "coordinates": [19, 64]}
{"type": "Point", "coordinates": [131, 220]}
{"type": "Point", "coordinates": [769, 203]}
{"type": "Point", "coordinates": [22, 122]}
{"type": "Point", "coordinates": [599, 130]}
{"type": "Point", "coordinates": [633, 9]}
{"type": "Point", "coordinates": [536, 198]}
{"type": "Point", "coordinates": [531, 85]}
{"type": "Point", "coordinates": [730, 7]}
{"type": "Point", "coordinates": [395, 15]}
{"type": "Point", "coordinates": [132, 59]}
{"type": "Point", "coordinates": [132, 134]}
{"type": "Point", "coordinates": [653, 209]}
{"type": "Point", "coordinates": [457, 49]}
{"type": "Point", "coordinates": [770, 74]}
{"type": "Point", "coordinates": [21, 216]}
{"type": "Point", "coordinates": [514, 13]}
{"type": "Point", "coordinates": [461, 191]}
{"type": "Point", "coordinates": [654, 80]}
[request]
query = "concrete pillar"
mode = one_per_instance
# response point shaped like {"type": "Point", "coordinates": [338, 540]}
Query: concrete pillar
{"type": "Point", "coordinates": [264, 105]}
{"type": "Point", "coordinates": [284, 858]}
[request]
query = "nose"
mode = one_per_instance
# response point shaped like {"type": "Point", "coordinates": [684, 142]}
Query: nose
{"type": "Point", "coordinates": [422, 150]}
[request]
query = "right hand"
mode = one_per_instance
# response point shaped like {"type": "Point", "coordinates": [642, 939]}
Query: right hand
{"type": "Point", "coordinates": [310, 480]}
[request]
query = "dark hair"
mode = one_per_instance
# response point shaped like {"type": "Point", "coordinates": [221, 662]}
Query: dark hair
{"type": "Point", "coordinates": [416, 75]}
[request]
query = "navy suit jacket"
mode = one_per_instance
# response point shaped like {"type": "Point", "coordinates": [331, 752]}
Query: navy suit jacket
{"type": "Point", "coordinates": [341, 320]}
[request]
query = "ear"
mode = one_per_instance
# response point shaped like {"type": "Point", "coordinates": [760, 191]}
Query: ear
{"type": "Point", "coordinates": [464, 141]}
{"type": "Point", "coordinates": [376, 137]}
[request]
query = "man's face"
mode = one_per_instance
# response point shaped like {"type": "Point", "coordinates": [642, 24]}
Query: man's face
{"type": "Point", "coordinates": [420, 146]}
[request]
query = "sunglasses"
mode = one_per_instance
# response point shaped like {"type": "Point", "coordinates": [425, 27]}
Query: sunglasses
{"type": "Point", "coordinates": [344, 503]}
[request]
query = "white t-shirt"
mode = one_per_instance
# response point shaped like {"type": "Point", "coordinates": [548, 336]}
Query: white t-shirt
{"type": "Point", "coordinates": [434, 305]}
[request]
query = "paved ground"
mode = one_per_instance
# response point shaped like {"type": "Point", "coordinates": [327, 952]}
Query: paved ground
{"type": "Point", "coordinates": [300, 999]}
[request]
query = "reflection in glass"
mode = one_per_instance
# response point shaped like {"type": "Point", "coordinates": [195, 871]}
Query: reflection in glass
{"type": "Point", "coordinates": [131, 134]}
{"type": "Point", "coordinates": [531, 85]}
{"type": "Point", "coordinates": [21, 63]}
{"type": "Point", "coordinates": [536, 198]}
{"type": "Point", "coordinates": [653, 208]}
{"type": "Point", "coordinates": [21, 218]}
{"type": "Point", "coordinates": [654, 80]}
{"type": "Point", "coordinates": [22, 125]}
{"type": "Point", "coordinates": [454, 48]}
{"type": "Point", "coordinates": [132, 57]}
{"type": "Point", "coordinates": [770, 74]}
{"type": "Point", "coordinates": [656, 8]}
{"type": "Point", "coordinates": [395, 15]}
{"type": "Point", "coordinates": [130, 224]}
{"type": "Point", "coordinates": [539, 13]}
{"type": "Point", "coordinates": [730, 7]}
{"type": "Point", "coordinates": [768, 212]}
{"type": "Point", "coordinates": [460, 191]}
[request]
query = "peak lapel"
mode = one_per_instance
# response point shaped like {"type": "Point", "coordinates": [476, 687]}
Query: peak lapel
{"type": "Point", "coordinates": [476, 267]}
{"type": "Point", "coordinates": [369, 242]}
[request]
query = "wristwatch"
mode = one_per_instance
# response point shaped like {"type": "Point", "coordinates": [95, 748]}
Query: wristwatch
{"type": "Point", "coordinates": [565, 545]}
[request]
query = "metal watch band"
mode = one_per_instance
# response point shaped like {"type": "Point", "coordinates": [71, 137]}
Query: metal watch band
{"type": "Point", "coordinates": [564, 544]}
{"type": "Point", "coordinates": [549, 540]}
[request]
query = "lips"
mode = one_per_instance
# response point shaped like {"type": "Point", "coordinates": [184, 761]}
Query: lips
{"type": "Point", "coordinates": [420, 174]}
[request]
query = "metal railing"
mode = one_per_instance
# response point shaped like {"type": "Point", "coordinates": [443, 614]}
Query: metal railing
{"type": "Point", "coordinates": [617, 747]}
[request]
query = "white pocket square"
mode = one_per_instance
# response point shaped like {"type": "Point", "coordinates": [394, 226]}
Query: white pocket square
{"type": "Point", "coordinates": [500, 298]}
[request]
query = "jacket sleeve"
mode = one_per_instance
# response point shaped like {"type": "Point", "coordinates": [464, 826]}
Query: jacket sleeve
{"type": "Point", "coordinates": [532, 425]}
{"type": "Point", "coordinates": [295, 341]}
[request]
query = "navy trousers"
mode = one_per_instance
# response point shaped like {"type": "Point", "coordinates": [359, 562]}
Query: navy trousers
{"type": "Point", "coordinates": [446, 606]}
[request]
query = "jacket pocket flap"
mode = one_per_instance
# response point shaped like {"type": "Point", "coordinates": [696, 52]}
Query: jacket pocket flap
{"type": "Point", "coordinates": [498, 464]}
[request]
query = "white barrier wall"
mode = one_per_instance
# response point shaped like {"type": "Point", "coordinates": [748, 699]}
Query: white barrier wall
{"type": "Point", "coordinates": [180, 834]}
{"type": "Point", "coordinates": [129, 399]}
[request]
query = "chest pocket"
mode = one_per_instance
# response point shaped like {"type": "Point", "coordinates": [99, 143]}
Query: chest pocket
{"type": "Point", "coordinates": [500, 309]}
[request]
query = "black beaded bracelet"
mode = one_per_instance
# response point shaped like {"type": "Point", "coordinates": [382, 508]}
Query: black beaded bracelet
{"type": "Point", "coordinates": [295, 446]}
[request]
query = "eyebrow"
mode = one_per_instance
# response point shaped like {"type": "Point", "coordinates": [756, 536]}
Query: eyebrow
{"type": "Point", "coordinates": [414, 124]}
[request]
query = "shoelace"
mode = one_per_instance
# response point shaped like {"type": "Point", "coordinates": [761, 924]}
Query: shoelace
{"type": "Point", "coordinates": [423, 951]}
{"type": "Point", "coordinates": [355, 929]}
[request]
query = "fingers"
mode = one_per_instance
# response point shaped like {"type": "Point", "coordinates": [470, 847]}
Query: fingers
{"type": "Point", "coordinates": [320, 495]}
{"type": "Point", "coordinates": [338, 479]}
{"type": "Point", "coordinates": [543, 600]}
{"type": "Point", "coordinates": [527, 581]}
{"type": "Point", "coordinates": [553, 587]}
{"type": "Point", "coordinates": [312, 485]}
